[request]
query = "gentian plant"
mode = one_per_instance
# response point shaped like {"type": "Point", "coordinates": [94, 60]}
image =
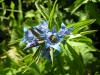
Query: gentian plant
{"type": "Point", "coordinates": [40, 34]}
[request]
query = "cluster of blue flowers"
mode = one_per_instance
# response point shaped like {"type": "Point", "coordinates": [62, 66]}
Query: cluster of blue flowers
{"type": "Point", "coordinates": [40, 34]}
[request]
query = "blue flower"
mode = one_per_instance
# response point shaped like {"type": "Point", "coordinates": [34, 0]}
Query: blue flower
{"type": "Point", "coordinates": [64, 31]}
{"type": "Point", "coordinates": [33, 43]}
{"type": "Point", "coordinates": [28, 36]}
{"type": "Point", "coordinates": [52, 39]}
{"type": "Point", "coordinates": [43, 26]}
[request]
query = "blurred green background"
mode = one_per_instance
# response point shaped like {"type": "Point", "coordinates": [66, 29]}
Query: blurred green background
{"type": "Point", "coordinates": [81, 54]}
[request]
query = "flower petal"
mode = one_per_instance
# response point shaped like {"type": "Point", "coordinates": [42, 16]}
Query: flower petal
{"type": "Point", "coordinates": [28, 36]}
{"type": "Point", "coordinates": [43, 26]}
{"type": "Point", "coordinates": [31, 44]}
{"type": "Point", "coordinates": [56, 46]}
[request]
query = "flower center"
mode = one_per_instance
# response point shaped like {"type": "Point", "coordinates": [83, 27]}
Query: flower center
{"type": "Point", "coordinates": [53, 39]}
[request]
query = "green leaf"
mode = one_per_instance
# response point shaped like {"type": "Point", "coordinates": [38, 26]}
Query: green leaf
{"type": "Point", "coordinates": [76, 5]}
{"type": "Point", "coordinates": [95, 0]}
{"type": "Point", "coordinates": [28, 59]}
{"type": "Point", "coordinates": [36, 53]}
{"type": "Point", "coordinates": [14, 56]}
{"type": "Point", "coordinates": [77, 59]}
{"type": "Point", "coordinates": [1, 1]}
{"type": "Point", "coordinates": [30, 14]}
{"type": "Point", "coordinates": [83, 46]}
{"type": "Point", "coordinates": [52, 16]}
{"type": "Point", "coordinates": [92, 7]}
{"type": "Point", "coordinates": [73, 60]}
{"type": "Point", "coordinates": [30, 64]}
{"type": "Point", "coordinates": [88, 32]}
{"type": "Point", "coordinates": [60, 64]}
{"type": "Point", "coordinates": [80, 25]}
{"type": "Point", "coordinates": [14, 37]}
{"type": "Point", "coordinates": [82, 39]}
{"type": "Point", "coordinates": [42, 11]}
{"type": "Point", "coordinates": [12, 6]}
{"type": "Point", "coordinates": [51, 54]}
{"type": "Point", "coordinates": [58, 18]}
{"type": "Point", "coordinates": [20, 14]}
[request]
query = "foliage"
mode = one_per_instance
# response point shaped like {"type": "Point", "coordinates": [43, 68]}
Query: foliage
{"type": "Point", "coordinates": [77, 49]}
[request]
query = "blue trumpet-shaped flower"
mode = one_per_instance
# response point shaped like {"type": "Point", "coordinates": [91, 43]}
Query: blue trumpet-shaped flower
{"type": "Point", "coordinates": [51, 39]}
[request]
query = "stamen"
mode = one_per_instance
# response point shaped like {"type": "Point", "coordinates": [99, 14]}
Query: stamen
{"type": "Point", "coordinates": [53, 39]}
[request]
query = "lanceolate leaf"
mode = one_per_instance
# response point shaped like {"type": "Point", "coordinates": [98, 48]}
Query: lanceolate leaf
{"type": "Point", "coordinates": [80, 25]}
{"type": "Point", "coordinates": [77, 59]}
{"type": "Point", "coordinates": [52, 16]}
{"type": "Point", "coordinates": [83, 45]}
{"type": "Point", "coordinates": [74, 60]}
{"type": "Point", "coordinates": [88, 32]}
{"type": "Point", "coordinates": [76, 5]}
{"type": "Point", "coordinates": [51, 54]}
{"type": "Point", "coordinates": [42, 11]}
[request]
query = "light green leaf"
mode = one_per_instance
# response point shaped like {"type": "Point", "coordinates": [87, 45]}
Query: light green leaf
{"type": "Point", "coordinates": [76, 5]}
{"type": "Point", "coordinates": [83, 46]}
{"type": "Point", "coordinates": [82, 39]}
{"type": "Point", "coordinates": [52, 16]}
{"type": "Point", "coordinates": [88, 32]}
{"type": "Point", "coordinates": [73, 60]}
{"type": "Point", "coordinates": [28, 59]}
{"type": "Point", "coordinates": [30, 14]}
{"type": "Point", "coordinates": [77, 60]}
{"type": "Point", "coordinates": [12, 6]}
{"type": "Point", "coordinates": [51, 54]}
{"type": "Point", "coordinates": [1, 1]}
{"type": "Point", "coordinates": [14, 56]}
{"type": "Point", "coordinates": [80, 25]}
{"type": "Point", "coordinates": [42, 11]}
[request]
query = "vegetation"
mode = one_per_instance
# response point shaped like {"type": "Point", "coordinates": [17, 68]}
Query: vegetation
{"type": "Point", "coordinates": [79, 47]}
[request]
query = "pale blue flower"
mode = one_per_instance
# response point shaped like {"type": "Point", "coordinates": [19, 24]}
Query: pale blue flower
{"type": "Point", "coordinates": [49, 42]}
{"type": "Point", "coordinates": [52, 39]}
{"type": "Point", "coordinates": [43, 26]}
{"type": "Point", "coordinates": [33, 43]}
{"type": "Point", "coordinates": [28, 36]}
{"type": "Point", "coordinates": [64, 31]}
